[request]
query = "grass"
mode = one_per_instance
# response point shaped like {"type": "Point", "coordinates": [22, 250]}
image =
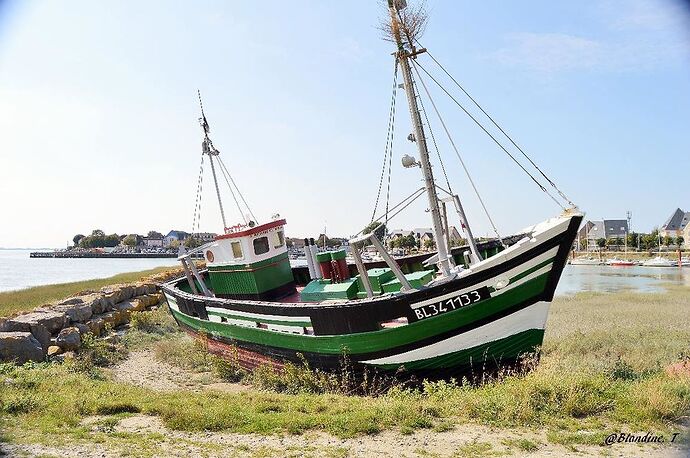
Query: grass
{"type": "Point", "coordinates": [601, 370]}
{"type": "Point", "coordinates": [21, 300]}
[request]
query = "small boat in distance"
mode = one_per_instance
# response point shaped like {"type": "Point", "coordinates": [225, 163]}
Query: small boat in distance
{"type": "Point", "coordinates": [620, 262]}
{"type": "Point", "coordinates": [588, 261]}
{"type": "Point", "coordinates": [659, 261]}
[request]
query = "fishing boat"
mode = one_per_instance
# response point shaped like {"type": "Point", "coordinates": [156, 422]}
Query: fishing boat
{"type": "Point", "coordinates": [433, 315]}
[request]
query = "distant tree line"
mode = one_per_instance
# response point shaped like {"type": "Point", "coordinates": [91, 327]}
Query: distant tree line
{"type": "Point", "coordinates": [634, 240]}
{"type": "Point", "coordinates": [97, 239]}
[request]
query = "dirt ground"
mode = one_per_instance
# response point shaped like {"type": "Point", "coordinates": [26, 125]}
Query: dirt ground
{"type": "Point", "coordinates": [141, 368]}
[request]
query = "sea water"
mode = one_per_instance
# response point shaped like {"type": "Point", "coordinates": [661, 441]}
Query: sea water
{"type": "Point", "coordinates": [18, 270]}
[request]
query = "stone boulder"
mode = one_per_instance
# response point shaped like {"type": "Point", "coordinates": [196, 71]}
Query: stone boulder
{"type": "Point", "coordinates": [69, 339]}
{"type": "Point", "coordinates": [77, 313]}
{"type": "Point", "coordinates": [96, 325]}
{"type": "Point", "coordinates": [72, 301]}
{"type": "Point", "coordinates": [94, 301]}
{"type": "Point", "coordinates": [51, 320]}
{"type": "Point", "coordinates": [20, 347]}
{"type": "Point", "coordinates": [41, 323]}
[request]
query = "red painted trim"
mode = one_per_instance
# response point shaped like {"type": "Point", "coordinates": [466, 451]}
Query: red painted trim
{"type": "Point", "coordinates": [253, 230]}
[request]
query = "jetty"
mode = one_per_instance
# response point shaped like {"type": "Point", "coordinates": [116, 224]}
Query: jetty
{"type": "Point", "coordinates": [89, 254]}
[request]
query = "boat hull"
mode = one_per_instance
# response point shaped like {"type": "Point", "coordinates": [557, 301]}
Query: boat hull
{"type": "Point", "coordinates": [489, 316]}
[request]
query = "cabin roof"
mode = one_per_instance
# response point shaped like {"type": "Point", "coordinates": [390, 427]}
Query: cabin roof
{"type": "Point", "coordinates": [252, 230]}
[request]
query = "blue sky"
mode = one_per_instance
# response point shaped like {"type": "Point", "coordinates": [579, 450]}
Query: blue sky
{"type": "Point", "coordinates": [98, 126]}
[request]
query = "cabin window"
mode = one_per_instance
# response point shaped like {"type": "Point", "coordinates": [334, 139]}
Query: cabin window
{"type": "Point", "coordinates": [261, 245]}
{"type": "Point", "coordinates": [236, 250]}
{"type": "Point", "coordinates": [278, 239]}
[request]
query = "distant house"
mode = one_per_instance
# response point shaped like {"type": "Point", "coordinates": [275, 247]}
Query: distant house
{"type": "Point", "coordinates": [454, 234]}
{"type": "Point", "coordinates": [608, 229]}
{"type": "Point", "coordinates": [676, 224]}
{"type": "Point", "coordinates": [399, 233]}
{"type": "Point", "coordinates": [153, 241]}
{"type": "Point", "coordinates": [422, 234]}
{"type": "Point", "coordinates": [174, 236]}
{"type": "Point", "coordinates": [205, 237]}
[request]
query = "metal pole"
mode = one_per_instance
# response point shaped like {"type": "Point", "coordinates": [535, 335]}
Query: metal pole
{"type": "Point", "coordinates": [405, 284]}
{"type": "Point", "coordinates": [210, 153]}
{"type": "Point", "coordinates": [188, 274]}
{"type": "Point", "coordinates": [468, 231]}
{"type": "Point", "coordinates": [195, 272]}
{"type": "Point", "coordinates": [362, 271]}
{"type": "Point", "coordinates": [420, 139]}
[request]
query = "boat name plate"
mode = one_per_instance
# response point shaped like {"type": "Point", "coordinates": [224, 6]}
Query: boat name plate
{"type": "Point", "coordinates": [454, 303]}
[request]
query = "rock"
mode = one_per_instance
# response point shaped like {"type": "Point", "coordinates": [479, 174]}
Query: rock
{"type": "Point", "coordinates": [54, 350]}
{"type": "Point", "coordinates": [69, 339]}
{"type": "Point", "coordinates": [113, 294]}
{"type": "Point", "coordinates": [38, 323]}
{"type": "Point", "coordinates": [94, 301]}
{"type": "Point", "coordinates": [77, 313]}
{"type": "Point", "coordinates": [95, 326]}
{"type": "Point", "coordinates": [52, 320]}
{"type": "Point", "coordinates": [83, 329]}
{"type": "Point", "coordinates": [20, 347]}
{"type": "Point", "coordinates": [71, 301]}
{"type": "Point", "coordinates": [115, 318]}
{"type": "Point", "coordinates": [149, 300]}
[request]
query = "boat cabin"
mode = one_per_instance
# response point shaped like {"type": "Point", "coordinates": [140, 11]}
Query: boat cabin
{"type": "Point", "coordinates": [251, 262]}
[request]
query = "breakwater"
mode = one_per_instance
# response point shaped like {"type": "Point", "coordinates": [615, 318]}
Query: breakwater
{"type": "Point", "coordinates": [56, 328]}
{"type": "Point", "coordinates": [78, 254]}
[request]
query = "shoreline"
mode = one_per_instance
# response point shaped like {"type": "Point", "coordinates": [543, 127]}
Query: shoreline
{"type": "Point", "coordinates": [26, 299]}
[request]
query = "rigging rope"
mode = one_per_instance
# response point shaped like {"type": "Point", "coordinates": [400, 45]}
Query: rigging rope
{"type": "Point", "coordinates": [457, 152]}
{"type": "Point", "coordinates": [501, 129]}
{"type": "Point", "coordinates": [413, 196]}
{"type": "Point", "coordinates": [388, 151]}
{"type": "Point", "coordinates": [222, 170]}
{"type": "Point", "coordinates": [416, 64]}
{"type": "Point", "coordinates": [197, 202]}
{"type": "Point", "coordinates": [238, 190]}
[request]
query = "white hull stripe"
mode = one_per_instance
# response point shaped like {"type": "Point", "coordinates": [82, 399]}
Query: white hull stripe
{"type": "Point", "coordinates": [493, 280]}
{"type": "Point", "coordinates": [259, 317]}
{"type": "Point", "coordinates": [532, 317]}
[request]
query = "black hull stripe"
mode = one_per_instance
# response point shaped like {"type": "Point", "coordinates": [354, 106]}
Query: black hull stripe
{"type": "Point", "coordinates": [362, 316]}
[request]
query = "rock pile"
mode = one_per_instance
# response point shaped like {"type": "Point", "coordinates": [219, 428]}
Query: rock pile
{"type": "Point", "coordinates": [56, 328]}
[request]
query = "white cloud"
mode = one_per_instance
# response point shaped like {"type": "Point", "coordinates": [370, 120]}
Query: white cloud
{"type": "Point", "coordinates": [550, 52]}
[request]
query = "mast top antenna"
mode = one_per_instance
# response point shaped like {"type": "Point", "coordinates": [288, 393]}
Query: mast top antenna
{"type": "Point", "coordinates": [202, 120]}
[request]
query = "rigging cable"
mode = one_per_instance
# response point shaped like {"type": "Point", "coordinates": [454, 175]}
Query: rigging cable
{"type": "Point", "coordinates": [228, 179]}
{"type": "Point", "coordinates": [455, 148]}
{"type": "Point", "coordinates": [196, 221]}
{"type": "Point", "coordinates": [414, 196]}
{"type": "Point", "coordinates": [388, 151]}
{"type": "Point", "coordinates": [238, 190]}
{"type": "Point", "coordinates": [501, 129]}
{"type": "Point", "coordinates": [546, 191]}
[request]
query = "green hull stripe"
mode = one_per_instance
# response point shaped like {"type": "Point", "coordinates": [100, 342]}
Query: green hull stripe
{"type": "Point", "coordinates": [260, 320]}
{"type": "Point", "coordinates": [254, 265]}
{"type": "Point", "coordinates": [366, 342]}
{"type": "Point", "coordinates": [502, 349]}
{"type": "Point", "coordinates": [531, 270]}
